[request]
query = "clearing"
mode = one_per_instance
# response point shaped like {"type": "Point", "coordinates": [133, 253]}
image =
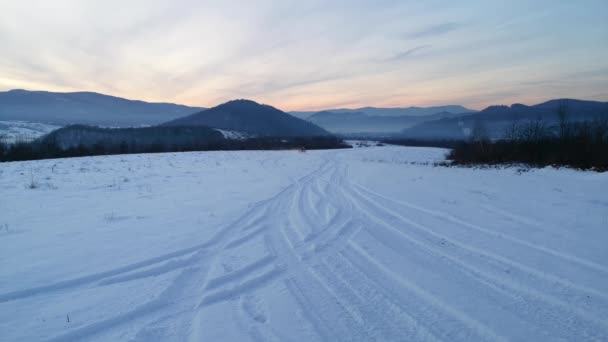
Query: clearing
{"type": "Point", "coordinates": [346, 245]}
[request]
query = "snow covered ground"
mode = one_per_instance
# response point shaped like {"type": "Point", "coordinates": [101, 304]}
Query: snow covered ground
{"type": "Point", "coordinates": [347, 245]}
{"type": "Point", "coordinates": [13, 131]}
{"type": "Point", "coordinates": [234, 135]}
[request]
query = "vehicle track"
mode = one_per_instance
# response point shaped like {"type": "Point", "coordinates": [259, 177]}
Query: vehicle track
{"type": "Point", "coordinates": [355, 265]}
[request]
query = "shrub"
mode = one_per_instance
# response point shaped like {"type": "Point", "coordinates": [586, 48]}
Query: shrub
{"type": "Point", "coordinates": [131, 141]}
{"type": "Point", "coordinates": [581, 145]}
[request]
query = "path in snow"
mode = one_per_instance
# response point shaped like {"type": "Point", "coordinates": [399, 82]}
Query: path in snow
{"type": "Point", "coordinates": [328, 259]}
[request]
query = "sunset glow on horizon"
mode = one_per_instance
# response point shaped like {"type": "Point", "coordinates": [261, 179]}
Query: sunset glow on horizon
{"type": "Point", "coordinates": [309, 55]}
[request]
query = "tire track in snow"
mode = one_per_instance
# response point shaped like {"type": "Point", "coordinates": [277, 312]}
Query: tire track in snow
{"type": "Point", "coordinates": [418, 297]}
{"type": "Point", "coordinates": [446, 217]}
{"type": "Point", "coordinates": [541, 276]}
{"type": "Point", "coordinates": [309, 311]}
{"type": "Point", "coordinates": [85, 280]}
{"type": "Point", "coordinates": [431, 235]}
{"type": "Point", "coordinates": [246, 280]}
{"type": "Point", "coordinates": [187, 286]}
{"type": "Point", "coordinates": [239, 273]}
{"type": "Point", "coordinates": [566, 315]}
{"type": "Point", "coordinates": [81, 281]}
{"type": "Point", "coordinates": [319, 235]}
{"type": "Point", "coordinates": [253, 318]}
{"type": "Point", "coordinates": [166, 299]}
{"type": "Point", "coordinates": [346, 308]}
{"type": "Point", "coordinates": [377, 304]}
{"type": "Point", "coordinates": [457, 322]}
{"type": "Point", "coordinates": [298, 271]}
{"type": "Point", "coordinates": [370, 311]}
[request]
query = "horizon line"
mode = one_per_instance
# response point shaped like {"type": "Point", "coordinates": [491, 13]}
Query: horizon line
{"type": "Point", "coordinates": [310, 109]}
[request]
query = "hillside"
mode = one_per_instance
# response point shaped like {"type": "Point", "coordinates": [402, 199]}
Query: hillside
{"type": "Point", "coordinates": [496, 119]}
{"type": "Point", "coordinates": [85, 108]}
{"type": "Point", "coordinates": [21, 131]}
{"type": "Point", "coordinates": [360, 122]}
{"type": "Point", "coordinates": [250, 117]}
{"type": "Point", "coordinates": [80, 135]}
{"type": "Point", "coordinates": [397, 111]}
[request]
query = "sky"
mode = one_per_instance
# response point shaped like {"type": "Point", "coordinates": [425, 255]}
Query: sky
{"type": "Point", "coordinates": [309, 55]}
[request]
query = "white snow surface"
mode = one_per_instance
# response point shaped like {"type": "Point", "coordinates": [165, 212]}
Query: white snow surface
{"type": "Point", "coordinates": [22, 131]}
{"type": "Point", "coordinates": [369, 244]}
{"type": "Point", "coordinates": [234, 135]}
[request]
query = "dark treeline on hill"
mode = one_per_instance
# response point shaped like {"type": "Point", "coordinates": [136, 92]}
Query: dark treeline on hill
{"type": "Point", "coordinates": [582, 144]}
{"type": "Point", "coordinates": [79, 140]}
{"type": "Point", "coordinates": [131, 138]}
{"type": "Point", "coordinates": [497, 119]}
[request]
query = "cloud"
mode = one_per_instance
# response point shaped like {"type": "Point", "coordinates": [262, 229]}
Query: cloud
{"type": "Point", "coordinates": [303, 54]}
{"type": "Point", "coordinates": [407, 53]}
{"type": "Point", "coordinates": [433, 30]}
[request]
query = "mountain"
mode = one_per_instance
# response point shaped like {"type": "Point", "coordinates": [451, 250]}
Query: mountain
{"type": "Point", "coordinates": [301, 114]}
{"type": "Point", "coordinates": [496, 119]}
{"type": "Point", "coordinates": [85, 108]}
{"type": "Point", "coordinates": [406, 111]}
{"type": "Point", "coordinates": [250, 117]}
{"type": "Point", "coordinates": [359, 122]}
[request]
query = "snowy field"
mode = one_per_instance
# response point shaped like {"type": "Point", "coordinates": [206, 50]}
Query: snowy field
{"type": "Point", "coordinates": [349, 245]}
{"type": "Point", "coordinates": [22, 131]}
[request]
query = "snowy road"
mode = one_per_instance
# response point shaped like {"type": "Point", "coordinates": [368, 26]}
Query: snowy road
{"type": "Point", "coordinates": [346, 250]}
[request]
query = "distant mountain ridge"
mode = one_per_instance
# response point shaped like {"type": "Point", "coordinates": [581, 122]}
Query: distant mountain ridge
{"type": "Point", "coordinates": [250, 117]}
{"type": "Point", "coordinates": [496, 119]}
{"type": "Point", "coordinates": [86, 108]}
{"type": "Point", "coordinates": [396, 111]}
{"type": "Point", "coordinates": [359, 122]}
{"type": "Point", "coordinates": [253, 119]}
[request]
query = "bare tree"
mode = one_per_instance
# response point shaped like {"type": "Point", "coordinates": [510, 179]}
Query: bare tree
{"type": "Point", "coordinates": [562, 116]}
{"type": "Point", "coordinates": [479, 135]}
{"type": "Point", "coordinates": [512, 132]}
{"type": "Point", "coordinates": [534, 131]}
{"type": "Point", "coordinates": [3, 144]}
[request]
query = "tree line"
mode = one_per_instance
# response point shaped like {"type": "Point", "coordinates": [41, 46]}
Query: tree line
{"type": "Point", "coordinates": [79, 141]}
{"type": "Point", "coordinates": [582, 145]}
